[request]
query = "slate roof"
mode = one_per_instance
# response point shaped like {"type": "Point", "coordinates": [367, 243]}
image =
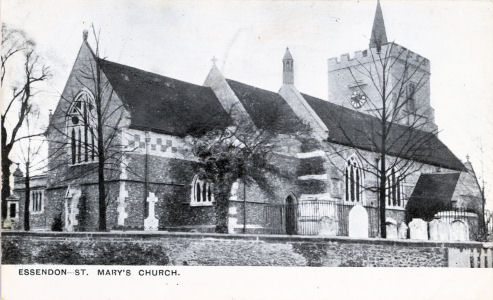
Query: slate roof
{"type": "Point", "coordinates": [162, 104]}
{"type": "Point", "coordinates": [432, 193]}
{"type": "Point", "coordinates": [353, 128]}
{"type": "Point", "coordinates": [268, 110]}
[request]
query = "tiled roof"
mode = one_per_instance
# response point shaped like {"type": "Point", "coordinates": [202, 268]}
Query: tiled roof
{"type": "Point", "coordinates": [356, 129]}
{"type": "Point", "coordinates": [267, 109]}
{"type": "Point", "coordinates": [432, 193]}
{"type": "Point", "coordinates": [163, 104]}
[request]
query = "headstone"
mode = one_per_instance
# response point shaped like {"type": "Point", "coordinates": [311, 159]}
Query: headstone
{"type": "Point", "coordinates": [358, 222]}
{"type": "Point", "coordinates": [151, 223]}
{"type": "Point", "coordinates": [328, 226]}
{"type": "Point", "coordinates": [459, 231]}
{"type": "Point", "coordinates": [434, 233]}
{"type": "Point", "coordinates": [402, 231]}
{"type": "Point", "coordinates": [439, 230]}
{"type": "Point", "coordinates": [418, 229]}
{"type": "Point", "coordinates": [391, 226]}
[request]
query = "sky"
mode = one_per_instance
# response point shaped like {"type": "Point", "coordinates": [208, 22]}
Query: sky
{"type": "Point", "coordinates": [179, 39]}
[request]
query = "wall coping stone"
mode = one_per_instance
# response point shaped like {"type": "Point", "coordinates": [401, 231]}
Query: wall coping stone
{"type": "Point", "coordinates": [258, 237]}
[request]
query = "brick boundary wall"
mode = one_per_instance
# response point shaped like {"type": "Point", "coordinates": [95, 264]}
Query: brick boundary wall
{"type": "Point", "coordinates": [168, 248]}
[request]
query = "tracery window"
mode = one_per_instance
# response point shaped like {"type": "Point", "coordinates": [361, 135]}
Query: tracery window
{"type": "Point", "coordinates": [394, 189]}
{"type": "Point", "coordinates": [202, 192]}
{"type": "Point", "coordinates": [354, 180]}
{"type": "Point", "coordinates": [81, 129]}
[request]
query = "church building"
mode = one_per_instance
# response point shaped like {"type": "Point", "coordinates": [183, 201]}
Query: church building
{"type": "Point", "coordinates": [324, 187]}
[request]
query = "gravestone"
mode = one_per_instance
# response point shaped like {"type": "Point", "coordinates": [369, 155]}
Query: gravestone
{"type": "Point", "coordinates": [418, 229]}
{"type": "Point", "coordinates": [328, 226]}
{"type": "Point", "coordinates": [402, 231]}
{"type": "Point", "coordinates": [151, 222]}
{"type": "Point", "coordinates": [434, 234]}
{"type": "Point", "coordinates": [358, 222]}
{"type": "Point", "coordinates": [439, 230]}
{"type": "Point", "coordinates": [459, 231]}
{"type": "Point", "coordinates": [391, 226]}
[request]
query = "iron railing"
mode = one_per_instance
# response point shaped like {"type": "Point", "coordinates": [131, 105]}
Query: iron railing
{"type": "Point", "coordinates": [455, 214]}
{"type": "Point", "coordinates": [313, 217]}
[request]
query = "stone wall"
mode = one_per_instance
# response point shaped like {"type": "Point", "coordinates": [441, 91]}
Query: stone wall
{"type": "Point", "coordinates": [132, 248]}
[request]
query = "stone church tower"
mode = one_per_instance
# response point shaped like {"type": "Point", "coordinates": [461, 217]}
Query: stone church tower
{"type": "Point", "coordinates": [354, 80]}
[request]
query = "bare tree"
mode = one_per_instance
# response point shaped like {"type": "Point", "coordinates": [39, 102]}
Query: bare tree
{"type": "Point", "coordinates": [398, 134]}
{"type": "Point", "coordinates": [97, 145]}
{"type": "Point", "coordinates": [22, 90]}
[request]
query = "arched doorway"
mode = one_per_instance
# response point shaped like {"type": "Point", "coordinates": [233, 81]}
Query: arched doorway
{"type": "Point", "coordinates": [290, 215]}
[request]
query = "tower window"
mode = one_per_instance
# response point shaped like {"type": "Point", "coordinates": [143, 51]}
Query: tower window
{"type": "Point", "coordinates": [410, 97]}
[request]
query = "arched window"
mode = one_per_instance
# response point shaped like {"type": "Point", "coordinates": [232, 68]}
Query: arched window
{"type": "Point", "coordinates": [394, 189]}
{"type": "Point", "coordinates": [81, 120]}
{"type": "Point", "coordinates": [354, 181]}
{"type": "Point", "coordinates": [202, 192]}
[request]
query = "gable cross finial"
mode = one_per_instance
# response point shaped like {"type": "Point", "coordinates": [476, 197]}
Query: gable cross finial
{"type": "Point", "coordinates": [214, 60]}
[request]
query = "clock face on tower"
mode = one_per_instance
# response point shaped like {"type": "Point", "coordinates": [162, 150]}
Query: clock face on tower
{"type": "Point", "coordinates": [358, 99]}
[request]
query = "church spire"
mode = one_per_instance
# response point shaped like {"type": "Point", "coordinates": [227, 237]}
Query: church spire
{"type": "Point", "coordinates": [378, 34]}
{"type": "Point", "coordinates": [287, 68]}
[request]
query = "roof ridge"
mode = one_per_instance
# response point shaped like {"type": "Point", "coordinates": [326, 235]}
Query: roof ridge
{"type": "Point", "coordinates": [361, 113]}
{"type": "Point", "coordinates": [103, 61]}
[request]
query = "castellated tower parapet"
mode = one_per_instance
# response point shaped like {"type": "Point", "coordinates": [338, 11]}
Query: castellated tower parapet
{"type": "Point", "coordinates": [363, 57]}
{"type": "Point", "coordinates": [348, 75]}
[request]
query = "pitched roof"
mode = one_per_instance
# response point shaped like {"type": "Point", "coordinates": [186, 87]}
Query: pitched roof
{"type": "Point", "coordinates": [378, 33]}
{"type": "Point", "coordinates": [267, 109]}
{"type": "Point", "coordinates": [432, 193]}
{"type": "Point", "coordinates": [356, 129]}
{"type": "Point", "coordinates": [163, 104]}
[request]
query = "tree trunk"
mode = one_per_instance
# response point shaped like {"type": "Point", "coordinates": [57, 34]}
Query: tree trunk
{"type": "Point", "coordinates": [101, 152]}
{"type": "Point", "coordinates": [222, 189]}
{"type": "Point", "coordinates": [6, 164]}
{"type": "Point", "coordinates": [381, 196]}
{"type": "Point", "coordinates": [27, 202]}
